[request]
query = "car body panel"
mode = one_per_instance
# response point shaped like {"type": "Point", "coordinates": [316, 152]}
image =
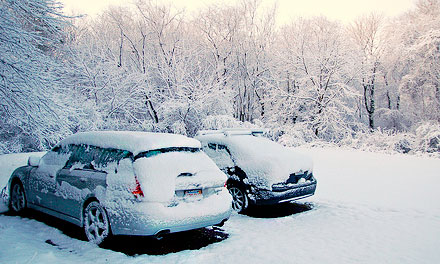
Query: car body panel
{"type": "Point", "coordinates": [73, 185]}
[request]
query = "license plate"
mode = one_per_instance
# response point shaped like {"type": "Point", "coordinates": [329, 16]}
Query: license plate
{"type": "Point", "coordinates": [193, 192]}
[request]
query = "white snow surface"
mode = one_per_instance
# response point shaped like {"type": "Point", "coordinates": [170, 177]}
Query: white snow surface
{"type": "Point", "coordinates": [368, 208]}
{"type": "Point", "coordinates": [264, 161]}
{"type": "Point", "coordinates": [132, 141]}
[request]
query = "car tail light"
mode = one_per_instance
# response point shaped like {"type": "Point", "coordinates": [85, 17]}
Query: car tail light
{"type": "Point", "coordinates": [226, 184]}
{"type": "Point", "coordinates": [138, 191]}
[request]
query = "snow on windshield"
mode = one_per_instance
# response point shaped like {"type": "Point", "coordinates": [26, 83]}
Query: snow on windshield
{"type": "Point", "coordinates": [264, 161]}
{"type": "Point", "coordinates": [134, 142]}
{"type": "Point", "coordinates": [157, 174]}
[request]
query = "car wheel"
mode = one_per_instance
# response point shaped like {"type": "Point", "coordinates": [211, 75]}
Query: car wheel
{"type": "Point", "coordinates": [239, 199]}
{"type": "Point", "coordinates": [18, 198]}
{"type": "Point", "coordinates": [96, 223]}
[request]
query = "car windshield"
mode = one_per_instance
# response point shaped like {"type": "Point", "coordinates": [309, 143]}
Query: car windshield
{"type": "Point", "coordinates": [150, 153]}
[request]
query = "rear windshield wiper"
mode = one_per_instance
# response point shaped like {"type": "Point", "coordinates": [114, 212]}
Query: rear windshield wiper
{"type": "Point", "coordinates": [150, 153]}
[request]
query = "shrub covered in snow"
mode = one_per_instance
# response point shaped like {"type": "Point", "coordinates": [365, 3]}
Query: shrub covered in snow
{"type": "Point", "coordinates": [381, 140]}
{"type": "Point", "coordinates": [391, 119]}
{"type": "Point", "coordinates": [214, 122]}
{"type": "Point", "coordinates": [424, 138]}
{"type": "Point", "coordinates": [292, 136]}
{"type": "Point", "coordinates": [428, 137]}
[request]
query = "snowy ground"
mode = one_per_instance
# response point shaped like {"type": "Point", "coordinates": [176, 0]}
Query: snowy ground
{"type": "Point", "coordinates": [369, 208]}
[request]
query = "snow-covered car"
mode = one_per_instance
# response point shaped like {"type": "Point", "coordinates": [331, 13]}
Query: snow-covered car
{"type": "Point", "coordinates": [124, 183]}
{"type": "Point", "coordinates": [259, 170]}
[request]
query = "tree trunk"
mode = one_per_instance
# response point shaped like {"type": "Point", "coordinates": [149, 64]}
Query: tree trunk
{"type": "Point", "coordinates": [369, 103]}
{"type": "Point", "coordinates": [151, 109]}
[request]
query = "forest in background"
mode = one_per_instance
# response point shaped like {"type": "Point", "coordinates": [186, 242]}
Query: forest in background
{"type": "Point", "coordinates": [371, 84]}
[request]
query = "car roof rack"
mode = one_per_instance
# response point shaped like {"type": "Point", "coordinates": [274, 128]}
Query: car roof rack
{"type": "Point", "coordinates": [233, 131]}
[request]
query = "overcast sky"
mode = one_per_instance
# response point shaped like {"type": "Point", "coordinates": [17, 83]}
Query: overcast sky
{"type": "Point", "coordinates": [343, 10]}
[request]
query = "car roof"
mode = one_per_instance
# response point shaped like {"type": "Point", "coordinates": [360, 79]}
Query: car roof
{"type": "Point", "coordinates": [133, 141]}
{"type": "Point", "coordinates": [239, 142]}
{"type": "Point", "coordinates": [232, 131]}
{"type": "Point", "coordinates": [231, 136]}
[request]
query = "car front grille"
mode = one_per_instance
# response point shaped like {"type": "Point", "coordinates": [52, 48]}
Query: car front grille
{"type": "Point", "coordinates": [292, 181]}
{"type": "Point", "coordinates": [294, 177]}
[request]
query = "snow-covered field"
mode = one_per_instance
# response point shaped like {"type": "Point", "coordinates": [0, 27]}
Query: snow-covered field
{"type": "Point", "coordinates": [369, 208]}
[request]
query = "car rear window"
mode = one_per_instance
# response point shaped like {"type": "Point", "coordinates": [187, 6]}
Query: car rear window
{"type": "Point", "coordinates": [89, 155]}
{"type": "Point", "coordinates": [150, 153]}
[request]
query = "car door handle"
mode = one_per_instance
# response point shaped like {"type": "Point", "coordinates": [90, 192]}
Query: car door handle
{"type": "Point", "coordinates": [82, 179]}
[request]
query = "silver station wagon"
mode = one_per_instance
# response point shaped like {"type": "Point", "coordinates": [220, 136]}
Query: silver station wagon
{"type": "Point", "coordinates": [124, 183]}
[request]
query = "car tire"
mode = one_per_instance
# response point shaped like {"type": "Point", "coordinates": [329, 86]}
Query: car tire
{"type": "Point", "coordinates": [240, 201]}
{"type": "Point", "coordinates": [96, 223]}
{"type": "Point", "coordinates": [17, 202]}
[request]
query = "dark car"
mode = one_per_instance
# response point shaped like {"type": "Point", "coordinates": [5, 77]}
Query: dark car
{"type": "Point", "coordinates": [259, 170]}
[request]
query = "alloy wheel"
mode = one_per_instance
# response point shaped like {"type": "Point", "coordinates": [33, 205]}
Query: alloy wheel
{"type": "Point", "coordinates": [18, 199]}
{"type": "Point", "coordinates": [239, 199]}
{"type": "Point", "coordinates": [96, 225]}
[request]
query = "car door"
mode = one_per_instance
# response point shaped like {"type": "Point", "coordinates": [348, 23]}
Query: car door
{"type": "Point", "coordinates": [78, 179]}
{"type": "Point", "coordinates": [42, 180]}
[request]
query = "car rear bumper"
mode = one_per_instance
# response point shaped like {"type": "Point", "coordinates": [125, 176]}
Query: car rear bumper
{"type": "Point", "coordinates": [295, 193]}
{"type": "Point", "coordinates": [151, 228]}
{"type": "Point", "coordinates": [149, 219]}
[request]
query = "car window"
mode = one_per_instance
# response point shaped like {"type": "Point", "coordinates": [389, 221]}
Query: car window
{"type": "Point", "coordinates": [82, 156]}
{"type": "Point", "coordinates": [53, 161]}
{"type": "Point", "coordinates": [92, 158]}
{"type": "Point", "coordinates": [109, 155]}
{"type": "Point", "coordinates": [219, 154]}
{"type": "Point", "coordinates": [55, 156]}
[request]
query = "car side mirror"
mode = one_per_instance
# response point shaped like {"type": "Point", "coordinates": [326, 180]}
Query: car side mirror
{"type": "Point", "coordinates": [34, 161]}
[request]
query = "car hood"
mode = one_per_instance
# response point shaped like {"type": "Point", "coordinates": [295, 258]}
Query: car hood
{"type": "Point", "coordinates": [266, 168]}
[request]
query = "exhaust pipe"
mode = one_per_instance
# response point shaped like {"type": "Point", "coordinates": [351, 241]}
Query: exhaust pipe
{"type": "Point", "coordinates": [159, 235]}
{"type": "Point", "coordinates": [221, 223]}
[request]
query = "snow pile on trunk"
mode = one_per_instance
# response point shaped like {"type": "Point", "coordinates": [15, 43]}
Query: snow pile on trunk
{"type": "Point", "coordinates": [205, 178]}
{"type": "Point", "coordinates": [158, 174]}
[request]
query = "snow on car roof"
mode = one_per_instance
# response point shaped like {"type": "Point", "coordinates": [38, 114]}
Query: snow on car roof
{"type": "Point", "coordinates": [133, 141]}
{"type": "Point", "coordinates": [242, 142]}
{"type": "Point", "coordinates": [232, 131]}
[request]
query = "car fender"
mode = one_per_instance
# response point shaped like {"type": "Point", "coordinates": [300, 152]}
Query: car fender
{"type": "Point", "coordinates": [21, 174]}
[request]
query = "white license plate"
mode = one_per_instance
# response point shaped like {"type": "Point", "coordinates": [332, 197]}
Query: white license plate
{"type": "Point", "coordinates": [193, 192]}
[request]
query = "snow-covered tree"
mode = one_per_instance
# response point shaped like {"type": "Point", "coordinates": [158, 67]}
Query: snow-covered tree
{"type": "Point", "coordinates": [30, 75]}
{"type": "Point", "coordinates": [412, 61]}
{"type": "Point", "coordinates": [366, 35]}
{"type": "Point", "coordinates": [315, 87]}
